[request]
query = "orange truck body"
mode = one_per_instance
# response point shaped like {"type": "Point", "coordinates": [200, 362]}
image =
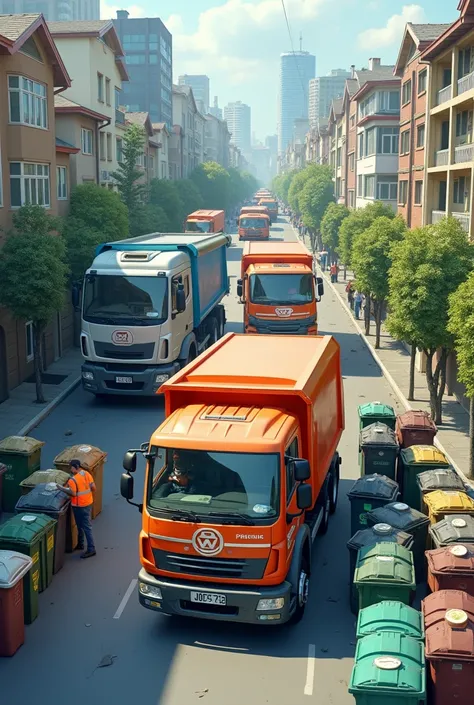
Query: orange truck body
{"type": "Point", "coordinates": [272, 205]}
{"type": "Point", "coordinates": [278, 289]}
{"type": "Point", "coordinates": [273, 409]}
{"type": "Point", "coordinates": [205, 221]}
{"type": "Point", "coordinates": [253, 225]}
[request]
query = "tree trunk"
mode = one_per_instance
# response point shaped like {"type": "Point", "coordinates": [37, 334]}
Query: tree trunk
{"type": "Point", "coordinates": [345, 272]}
{"type": "Point", "coordinates": [470, 473]}
{"type": "Point", "coordinates": [411, 387]}
{"type": "Point", "coordinates": [37, 344]}
{"type": "Point", "coordinates": [436, 381]}
{"type": "Point", "coordinates": [368, 304]}
{"type": "Point", "coordinates": [378, 306]}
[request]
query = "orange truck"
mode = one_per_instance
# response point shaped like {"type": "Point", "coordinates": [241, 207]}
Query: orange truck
{"type": "Point", "coordinates": [263, 193]}
{"type": "Point", "coordinates": [253, 224]}
{"type": "Point", "coordinates": [203, 221]}
{"type": "Point", "coordinates": [272, 205]}
{"type": "Point", "coordinates": [241, 476]}
{"type": "Point", "coordinates": [278, 289]}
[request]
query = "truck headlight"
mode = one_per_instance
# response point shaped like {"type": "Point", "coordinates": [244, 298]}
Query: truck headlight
{"type": "Point", "coordinates": [88, 375]}
{"type": "Point", "coordinates": [150, 591]}
{"type": "Point", "coordinates": [159, 379]}
{"type": "Point", "coordinates": [274, 604]}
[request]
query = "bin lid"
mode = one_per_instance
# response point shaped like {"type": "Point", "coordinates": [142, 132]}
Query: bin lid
{"type": "Point", "coordinates": [376, 408]}
{"type": "Point", "coordinates": [453, 528]}
{"type": "Point", "coordinates": [430, 455]}
{"type": "Point", "coordinates": [379, 534]}
{"type": "Point", "coordinates": [374, 486]}
{"type": "Point", "coordinates": [456, 559]}
{"type": "Point", "coordinates": [439, 479]}
{"type": "Point", "coordinates": [385, 563]}
{"type": "Point", "coordinates": [44, 476]}
{"type": "Point", "coordinates": [440, 501]}
{"type": "Point", "coordinates": [415, 419]}
{"type": "Point", "coordinates": [13, 566]}
{"type": "Point", "coordinates": [389, 662]}
{"type": "Point", "coordinates": [90, 456]}
{"type": "Point", "coordinates": [390, 616]}
{"type": "Point", "coordinates": [398, 515]}
{"type": "Point", "coordinates": [42, 498]}
{"type": "Point", "coordinates": [378, 434]}
{"type": "Point", "coordinates": [435, 606]}
{"type": "Point", "coordinates": [26, 528]}
{"type": "Point", "coordinates": [452, 637]}
{"type": "Point", "coordinates": [23, 445]}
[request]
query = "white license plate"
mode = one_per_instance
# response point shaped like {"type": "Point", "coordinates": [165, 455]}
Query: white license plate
{"type": "Point", "coordinates": [208, 598]}
{"type": "Point", "coordinates": [124, 380]}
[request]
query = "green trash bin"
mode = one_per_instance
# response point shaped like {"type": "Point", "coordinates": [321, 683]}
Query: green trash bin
{"type": "Point", "coordinates": [22, 456]}
{"type": "Point", "coordinates": [384, 572]}
{"type": "Point", "coordinates": [412, 462]}
{"type": "Point", "coordinates": [390, 616]}
{"type": "Point", "coordinates": [389, 666]}
{"type": "Point", "coordinates": [401, 516]}
{"type": "Point", "coordinates": [375, 412]}
{"type": "Point", "coordinates": [378, 448]}
{"type": "Point", "coordinates": [367, 493]}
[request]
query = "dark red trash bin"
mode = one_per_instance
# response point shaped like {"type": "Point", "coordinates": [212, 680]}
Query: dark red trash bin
{"type": "Point", "coordinates": [13, 567]}
{"type": "Point", "coordinates": [415, 428]}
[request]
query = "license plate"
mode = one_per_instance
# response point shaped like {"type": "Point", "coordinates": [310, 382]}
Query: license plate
{"type": "Point", "coordinates": [124, 380]}
{"type": "Point", "coordinates": [208, 598]}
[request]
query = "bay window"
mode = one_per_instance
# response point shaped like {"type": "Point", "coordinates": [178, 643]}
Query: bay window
{"type": "Point", "coordinates": [27, 102]}
{"type": "Point", "coordinates": [29, 184]}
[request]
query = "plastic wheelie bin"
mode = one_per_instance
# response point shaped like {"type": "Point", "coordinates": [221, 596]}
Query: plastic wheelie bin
{"type": "Point", "coordinates": [22, 456]}
{"type": "Point", "coordinates": [367, 493]}
{"type": "Point", "coordinates": [451, 568]}
{"type": "Point", "coordinates": [411, 462]}
{"type": "Point", "coordinates": [3, 469]}
{"type": "Point", "coordinates": [401, 516]}
{"type": "Point", "coordinates": [390, 616]}
{"type": "Point", "coordinates": [454, 528]}
{"type": "Point", "coordinates": [378, 448]}
{"type": "Point", "coordinates": [440, 503]}
{"type": "Point", "coordinates": [42, 477]}
{"type": "Point", "coordinates": [389, 667]}
{"type": "Point", "coordinates": [439, 479]}
{"type": "Point", "coordinates": [415, 428]}
{"type": "Point", "coordinates": [93, 460]}
{"type": "Point", "coordinates": [48, 501]}
{"type": "Point", "coordinates": [384, 572]}
{"type": "Point", "coordinates": [13, 568]}
{"type": "Point", "coordinates": [376, 411]}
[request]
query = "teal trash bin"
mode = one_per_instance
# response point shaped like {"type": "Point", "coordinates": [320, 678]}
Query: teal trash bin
{"type": "Point", "coordinates": [374, 412]}
{"type": "Point", "coordinates": [390, 616]}
{"type": "Point", "coordinates": [368, 493]}
{"type": "Point", "coordinates": [378, 448]}
{"type": "Point", "coordinates": [384, 572]}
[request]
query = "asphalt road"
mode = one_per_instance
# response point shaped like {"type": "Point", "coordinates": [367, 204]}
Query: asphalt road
{"type": "Point", "coordinates": [91, 610]}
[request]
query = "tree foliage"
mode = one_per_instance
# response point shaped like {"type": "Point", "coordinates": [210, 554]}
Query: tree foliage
{"type": "Point", "coordinates": [356, 223]}
{"type": "Point", "coordinates": [317, 194]}
{"type": "Point", "coordinates": [129, 175]}
{"type": "Point", "coordinates": [330, 225]}
{"type": "Point", "coordinates": [214, 183]}
{"type": "Point", "coordinates": [281, 184]}
{"type": "Point", "coordinates": [165, 195]}
{"type": "Point", "coordinates": [190, 195]}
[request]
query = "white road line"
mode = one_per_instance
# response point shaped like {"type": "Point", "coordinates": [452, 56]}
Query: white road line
{"type": "Point", "coordinates": [308, 689]}
{"type": "Point", "coordinates": [126, 598]}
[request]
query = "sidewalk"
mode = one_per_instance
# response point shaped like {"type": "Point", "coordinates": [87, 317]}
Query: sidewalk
{"type": "Point", "coordinates": [20, 414]}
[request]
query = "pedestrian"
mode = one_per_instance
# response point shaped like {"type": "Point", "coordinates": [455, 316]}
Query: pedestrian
{"type": "Point", "coordinates": [324, 259]}
{"type": "Point", "coordinates": [350, 294]}
{"type": "Point", "coordinates": [334, 272]}
{"type": "Point", "coordinates": [80, 487]}
{"type": "Point", "coordinates": [358, 300]}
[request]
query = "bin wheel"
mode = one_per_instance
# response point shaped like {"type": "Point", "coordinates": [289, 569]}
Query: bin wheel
{"type": "Point", "coordinates": [334, 488]}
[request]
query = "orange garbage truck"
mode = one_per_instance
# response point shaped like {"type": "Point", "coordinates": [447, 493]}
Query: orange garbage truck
{"type": "Point", "coordinates": [278, 289]}
{"type": "Point", "coordinates": [272, 205]}
{"type": "Point", "coordinates": [203, 221]}
{"type": "Point", "coordinates": [240, 478]}
{"type": "Point", "coordinates": [253, 225]}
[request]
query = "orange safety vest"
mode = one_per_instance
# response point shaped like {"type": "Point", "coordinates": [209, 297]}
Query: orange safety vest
{"type": "Point", "coordinates": [80, 485]}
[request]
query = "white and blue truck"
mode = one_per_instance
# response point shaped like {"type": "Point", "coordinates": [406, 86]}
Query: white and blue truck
{"type": "Point", "coordinates": [150, 305]}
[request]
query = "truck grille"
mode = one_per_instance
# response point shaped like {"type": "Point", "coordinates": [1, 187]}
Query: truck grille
{"type": "Point", "coordinates": [140, 351]}
{"type": "Point", "coordinates": [210, 609]}
{"type": "Point", "coordinates": [134, 387]}
{"type": "Point", "coordinates": [247, 569]}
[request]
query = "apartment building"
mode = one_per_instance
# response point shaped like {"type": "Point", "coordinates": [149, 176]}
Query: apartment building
{"type": "Point", "coordinates": [148, 161]}
{"type": "Point", "coordinates": [162, 138]}
{"type": "Point", "coordinates": [414, 75]}
{"type": "Point", "coordinates": [33, 168]}
{"type": "Point", "coordinates": [185, 115]}
{"type": "Point", "coordinates": [337, 134]}
{"type": "Point", "coordinates": [93, 57]}
{"type": "Point", "coordinates": [318, 144]}
{"type": "Point", "coordinates": [217, 139]}
{"type": "Point", "coordinates": [350, 157]}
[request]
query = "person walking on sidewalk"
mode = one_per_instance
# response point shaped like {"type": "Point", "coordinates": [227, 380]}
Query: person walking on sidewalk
{"type": "Point", "coordinates": [350, 294]}
{"type": "Point", "coordinates": [80, 488]}
{"type": "Point", "coordinates": [334, 271]}
{"type": "Point", "coordinates": [358, 301]}
{"type": "Point", "coordinates": [323, 259]}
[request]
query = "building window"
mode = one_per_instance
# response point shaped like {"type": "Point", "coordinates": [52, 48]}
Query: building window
{"type": "Point", "coordinates": [339, 157]}
{"type": "Point", "coordinates": [153, 59]}
{"type": "Point", "coordinates": [361, 145]}
{"type": "Point", "coordinates": [418, 193]}
{"type": "Point", "coordinates": [151, 163]}
{"type": "Point", "coordinates": [405, 142]}
{"type": "Point", "coordinates": [29, 184]}
{"type": "Point", "coordinates": [61, 178]}
{"type": "Point", "coordinates": [135, 59]}
{"type": "Point", "coordinates": [102, 146]}
{"type": "Point", "coordinates": [388, 101]}
{"type": "Point", "coordinates": [464, 63]}
{"type": "Point", "coordinates": [387, 140]}
{"type": "Point", "coordinates": [402, 192]}
{"type": "Point", "coordinates": [370, 142]}
{"type": "Point", "coordinates": [459, 190]}
{"type": "Point", "coordinates": [420, 136]}
{"type": "Point", "coordinates": [351, 199]}
{"type": "Point", "coordinates": [134, 42]}
{"type": "Point", "coordinates": [351, 162]}
{"type": "Point", "coordinates": [86, 141]}
{"type": "Point", "coordinates": [29, 338]}
{"type": "Point", "coordinates": [353, 121]}
{"type": "Point", "coordinates": [422, 79]}
{"type": "Point", "coordinates": [109, 147]}
{"type": "Point", "coordinates": [369, 186]}
{"type": "Point", "coordinates": [360, 185]}
{"type": "Point", "coordinates": [387, 188]}
{"type": "Point", "coordinates": [107, 91]}
{"type": "Point", "coordinates": [406, 92]}
{"type": "Point", "coordinates": [119, 146]}
{"type": "Point", "coordinates": [27, 102]}
{"type": "Point", "coordinates": [100, 88]}
{"type": "Point", "coordinates": [463, 123]}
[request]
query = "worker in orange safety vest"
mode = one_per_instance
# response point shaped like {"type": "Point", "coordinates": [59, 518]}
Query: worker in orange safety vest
{"type": "Point", "coordinates": [80, 487]}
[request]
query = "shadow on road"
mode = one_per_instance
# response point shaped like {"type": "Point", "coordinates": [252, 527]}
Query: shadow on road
{"type": "Point", "coordinates": [356, 359]}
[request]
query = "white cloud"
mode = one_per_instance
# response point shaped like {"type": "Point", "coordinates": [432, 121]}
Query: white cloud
{"type": "Point", "coordinates": [393, 30]}
{"type": "Point", "coordinates": [109, 12]}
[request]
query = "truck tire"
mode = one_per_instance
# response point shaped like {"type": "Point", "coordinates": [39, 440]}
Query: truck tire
{"type": "Point", "coordinates": [334, 487]}
{"type": "Point", "coordinates": [325, 502]}
{"type": "Point", "coordinates": [213, 331]}
{"type": "Point", "coordinates": [302, 592]}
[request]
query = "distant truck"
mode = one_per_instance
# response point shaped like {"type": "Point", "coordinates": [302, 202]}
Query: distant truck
{"type": "Point", "coordinates": [150, 305]}
{"type": "Point", "coordinates": [241, 477]}
{"type": "Point", "coordinates": [278, 289]}
{"type": "Point", "coordinates": [272, 206]}
{"type": "Point", "coordinates": [203, 221]}
{"type": "Point", "coordinates": [255, 210]}
{"type": "Point", "coordinates": [253, 226]}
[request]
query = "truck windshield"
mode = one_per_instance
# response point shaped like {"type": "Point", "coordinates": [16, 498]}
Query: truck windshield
{"type": "Point", "coordinates": [198, 226]}
{"type": "Point", "coordinates": [111, 299]}
{"type": "Point", "coordinates": [253, 223]}
{"type": "Point", "coordinates": [281, 289]}
{"type": "Point", "coordinates": [215, 484]}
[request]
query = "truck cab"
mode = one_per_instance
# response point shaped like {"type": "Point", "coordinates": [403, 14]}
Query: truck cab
{"type": "Point", "coordinates": [253, 226]}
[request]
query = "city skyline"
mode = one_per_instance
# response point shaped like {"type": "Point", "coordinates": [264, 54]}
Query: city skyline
{"type": "Point", "coordinates": [296, 71]}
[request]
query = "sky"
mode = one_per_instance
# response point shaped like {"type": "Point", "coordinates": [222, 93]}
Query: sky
{"type": "Point", "coordinates": [237, 43]}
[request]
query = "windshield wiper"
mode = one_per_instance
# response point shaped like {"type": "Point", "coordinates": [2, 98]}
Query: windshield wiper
{"type": "Point", "coordinates": [244, 519]}
{"type": "Point", "coordinates": [181, 515]}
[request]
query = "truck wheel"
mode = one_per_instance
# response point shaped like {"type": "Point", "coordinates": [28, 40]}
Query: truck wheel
{"type": "Point", "coordinates": [213, 332]}
{"type": "Point", "coordinates": [326, 505]}
{"type": "Point", "coordinates": [334, 488]}
{"type": "Point", "coordinates": [302, 592]}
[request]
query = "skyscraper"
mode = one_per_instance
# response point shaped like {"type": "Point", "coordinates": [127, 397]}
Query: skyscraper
{"type": "Point", "coordinates": [53, 10]}
{"type": "Point", "coordinates": [322, 92]}
{"type": "Point", "coordinates": [215, 110]}
{"type": "Point", "coordinates": [200, 86]}
{"type": "Point", "coordinates": [296, 70]}
{"type": "Point", "coordinates": [237, 116]}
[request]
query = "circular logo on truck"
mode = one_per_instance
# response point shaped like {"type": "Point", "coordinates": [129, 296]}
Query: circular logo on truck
{"type": "Point", "coordinates": [122, 337]}
{"type": "Point", "coordinates": [208, 542]}
{"type": "Point", "coordinates": [284, 312]}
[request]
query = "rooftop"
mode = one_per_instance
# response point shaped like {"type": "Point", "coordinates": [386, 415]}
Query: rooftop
{"type": "Point", "coordinates": [428, 32]}
{"type": "Point", "coordinates": [79, 27]}
{"type": "Point", "coordinates": [138, 118]}
{"type": "Point", "coordinates": [13, 26]}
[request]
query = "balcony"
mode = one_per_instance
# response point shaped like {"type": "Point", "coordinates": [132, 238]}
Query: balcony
{"type": "Point", "coordinates": [464, 153]}
{"type": "Point", "coordinates": [464, 219]}
{"type": "Point", "coordinates": [119, 116]}
{"type": "Point", "coordinates": [437, 216]}
{"type": "Point", "coordinates": [466, 83]}
{"type": "Point", "coordinates": [442, 157]}
{"type": "Point", "coordinates": [445, 94]}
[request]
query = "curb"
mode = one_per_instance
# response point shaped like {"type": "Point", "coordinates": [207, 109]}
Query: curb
{"type": "Point", "coordinates": [49, 408]}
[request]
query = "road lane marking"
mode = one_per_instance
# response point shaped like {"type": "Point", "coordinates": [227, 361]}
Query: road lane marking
{"type": "Point", "coordinates": [125, 598]}
{"type": "Point", "coordinates": [308, 689]}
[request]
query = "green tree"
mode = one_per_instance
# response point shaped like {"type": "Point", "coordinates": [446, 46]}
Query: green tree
{"type": "Point", "coordinates": [428, 265]}
{"type": "Point", "coordinates": [358, 221]}
{"type": "Point", "coordinates": [129, 176]}
{"type": "Point", "coordinates": [281, 184]}
{"type": "Point", "coordinates": [213, 182]}
{"type": "Point", "coordinates": [164, 193]}
{"type": "Point", "coordinates": [461, 326]}
{"type": "Point", "coordinates": [190, 196]}
{"type": "Point", "coordinates": [33, 275]}
{"type": "Point", "coordinates": [317, 194]}
{"type": "Point", "coordinates": [151, 219]}
{"type": "Point", "coordinates": [371, 259]}
{"type": "Point", "coordinates": [330, 226]}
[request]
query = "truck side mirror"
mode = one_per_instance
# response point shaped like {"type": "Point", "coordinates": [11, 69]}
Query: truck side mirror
{"type": "Point", "coordinates": [126, 486]}
{"type": "Point", "coordinates": [301, 470]}
{"type": "Point", "coordinates": [180, 299]}
{"type": "Point", "coordinates": [129, 461]}
{"type": "Point", "coordinates": [304, 497]}
{"type": "Point", "coordinates": [240, 288]}
{"type": "Point", "coordinates": [320, 283]}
